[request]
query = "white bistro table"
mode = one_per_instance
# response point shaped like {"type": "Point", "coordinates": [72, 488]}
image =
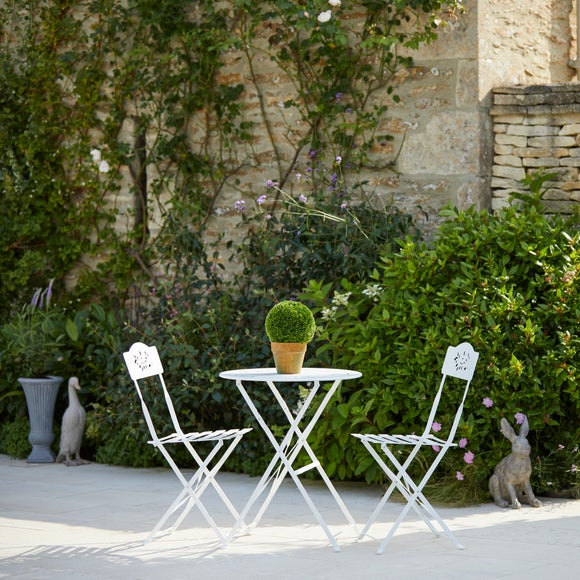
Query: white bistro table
{"type": "Point", "coordinates": [286, 451]}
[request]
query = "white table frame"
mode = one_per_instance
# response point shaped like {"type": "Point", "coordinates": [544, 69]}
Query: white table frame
{"type": "Point", "coordinates": [286, 452]}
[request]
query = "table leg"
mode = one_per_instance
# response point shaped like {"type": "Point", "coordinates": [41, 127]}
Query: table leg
{"type": "Point", "coordinates": [284, 461]}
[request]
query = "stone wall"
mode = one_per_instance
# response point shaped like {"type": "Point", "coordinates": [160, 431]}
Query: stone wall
{"type": "Point", "coordinates": [537, 127]}
{"type": "Point", "coordinates": [443, 138]}
{"type": "Point", "coordinates": [442, 150]}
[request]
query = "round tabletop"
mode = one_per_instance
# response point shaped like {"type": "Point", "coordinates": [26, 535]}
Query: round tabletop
{"type": "Point", "coordinates": [307, 374]}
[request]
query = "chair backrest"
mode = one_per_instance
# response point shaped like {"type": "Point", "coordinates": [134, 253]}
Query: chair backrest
{"type": "Point", "coordinates": [143, 362]}
{"type": "Point", "coordinates": [460, 362]}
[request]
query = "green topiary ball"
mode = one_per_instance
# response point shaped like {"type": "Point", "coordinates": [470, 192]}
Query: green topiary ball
{"type": "Point", "coordinates": [290, 321]}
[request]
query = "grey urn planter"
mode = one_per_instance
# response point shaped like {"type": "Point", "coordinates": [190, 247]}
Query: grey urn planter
{"type": "Point", "coordinates": [40, 398]}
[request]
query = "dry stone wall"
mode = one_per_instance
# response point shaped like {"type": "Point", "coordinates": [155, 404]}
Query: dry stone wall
{"type": "Point", "coordinates": [537, 127]}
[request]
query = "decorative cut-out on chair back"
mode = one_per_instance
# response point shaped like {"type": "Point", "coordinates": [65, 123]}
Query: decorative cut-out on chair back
{"type": "Point", "coordinates": [460, 361]}
{"type": "Point", "coordinates": [143, 361]}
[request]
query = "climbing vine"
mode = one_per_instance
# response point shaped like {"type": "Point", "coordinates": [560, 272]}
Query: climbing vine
{"type": "Point", "coordinates": [176, 97]}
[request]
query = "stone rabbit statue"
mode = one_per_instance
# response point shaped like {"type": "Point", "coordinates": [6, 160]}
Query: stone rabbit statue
{"type": "Point", "coordinates": [510, 483]}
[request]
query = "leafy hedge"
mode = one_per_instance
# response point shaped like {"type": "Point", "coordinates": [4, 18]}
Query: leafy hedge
{"type": "Point", "coordinates": [203, 323]}
{"type": "Point", "coordinates": [507, 283]}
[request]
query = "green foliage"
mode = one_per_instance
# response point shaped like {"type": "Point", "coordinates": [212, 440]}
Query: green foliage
{"type": "Point", "coordinates": [130, 80]}
{"type": "Point", "coordinates": [204, 325]}
{"type": "Point", "coordinates": [14, 438]}
{"type": "Point", "coordinates": [290, 321]}
{"type": "Point", "coordinates": [33, 338]}
{"type": "Point", "coordinates": [557, 471]}
{"type": "Point", "coordinates": [507, 283]}
{"type": "Point", "coordinates": [149, 87]}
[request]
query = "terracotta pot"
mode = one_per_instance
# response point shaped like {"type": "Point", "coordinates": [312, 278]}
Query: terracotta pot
{"type": "Point", "coordinates": [288, 357]}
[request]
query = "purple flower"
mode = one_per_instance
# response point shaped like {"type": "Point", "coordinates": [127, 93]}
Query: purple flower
{"type": "Point", "coordinates": [463, 442]}
{"type": "Point", "coordinates": [520, 418]}
{"type": "Point", "coordinates": [312, 153]}
{"type": "Point", "coordinates": [343, 205]}
{"type": "Point", "coordinates": [338, 159]}
{"type": "Point", "coordinates": [435, 426]}
{"type": "Point", "coordinates": [573, 468]}
{"type": "Point", "coordinates": [240, 205]}
{"type": "Point", "coordinates": [36, 297]}
{"type": "Point", "coordinates": [339, 96]}
{"type": "Point", "coordinates": [49, 292]}
{"type": "Point", "coordinates": [261, 200]}
{"type": "Point", "coordinates": [469, 457]}
{"type": "Point", "coordinates": [459, 476]}
{"type": "Point", "coordinates": [487, 402]}
{"type": "Point", "coordinates": [303, 198]}
{"type": "Point", "coordinates": [436, 448]}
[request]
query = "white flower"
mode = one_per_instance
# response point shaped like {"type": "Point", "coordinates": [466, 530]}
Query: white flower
{"type": "Point", "coordinates": [104, 167]}
{"type": "Point", "coordinates": [325, 16]}
{"type": "Point", "coordinates": [96, 155]}
{"type": "Point", "coordinates": [341, 299]}
{"type": "Point", "coordinates": [335, 3]}
{"type": "Point", "coordinates": [372, 291]}
{"type": "Point", "coordinates": [328, 313]}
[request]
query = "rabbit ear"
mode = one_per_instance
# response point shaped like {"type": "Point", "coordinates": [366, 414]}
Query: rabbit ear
{"type": "Point", "coordinates": [507, 429]}
{"type": "Point", "coordinates": [525, 428]}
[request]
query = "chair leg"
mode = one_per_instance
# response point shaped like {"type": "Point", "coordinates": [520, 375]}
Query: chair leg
{"type": "Point", "coordinates": [196, 486]}
{"type": "Point", "coordinates": [211, 474]}
{"type": "Point", "coordinates": [191, 493]}
{"type": "Point", "coordinates": [412, 493]}
{"type": "Point", "coordinates": [396, 483]}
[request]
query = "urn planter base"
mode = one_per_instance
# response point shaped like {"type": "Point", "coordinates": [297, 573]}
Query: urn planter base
{"type": "Point", "coordinates": [40, 398]}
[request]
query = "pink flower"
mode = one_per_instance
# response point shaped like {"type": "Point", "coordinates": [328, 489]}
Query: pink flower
{"type": "Point", "coordinates": [436, 426]}
{"type": "Point", "coordinates": [459, 476]}
{"type": "Point", "coordinates": [436, 448]}
{"type": "Point", "coordinates": [469, 457]}
{"type": "Point", "coordinates": [463, 442]}
{"type": "Point", "coordinates": [487, 402]}
{"type": "Point", "coordinates": [520, 418]}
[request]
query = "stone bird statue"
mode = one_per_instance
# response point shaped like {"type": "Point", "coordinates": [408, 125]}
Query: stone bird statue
{"type": "Point", "coordinates": [73, 426]}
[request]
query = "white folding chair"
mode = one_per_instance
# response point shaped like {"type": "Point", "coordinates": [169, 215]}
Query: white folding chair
{"type": "Point", "coordinates": [460, 363]}
{"type": "Point", "coordinates": [143, 362]}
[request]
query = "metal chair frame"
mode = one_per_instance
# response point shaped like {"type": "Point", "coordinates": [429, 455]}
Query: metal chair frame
{"type": "Point", "coordinates": [143, 362]}
{"type": "Point", "coordinates": [460, 362]}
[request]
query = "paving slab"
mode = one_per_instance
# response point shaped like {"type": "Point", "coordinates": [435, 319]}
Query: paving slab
{"type": "Point", "coordinates": [89, 522]}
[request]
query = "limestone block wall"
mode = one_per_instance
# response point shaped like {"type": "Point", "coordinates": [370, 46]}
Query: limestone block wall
{"type": "Point", "coordinates": [537, 127]}
{"type": "Point", "coordinates": [443, 139]}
